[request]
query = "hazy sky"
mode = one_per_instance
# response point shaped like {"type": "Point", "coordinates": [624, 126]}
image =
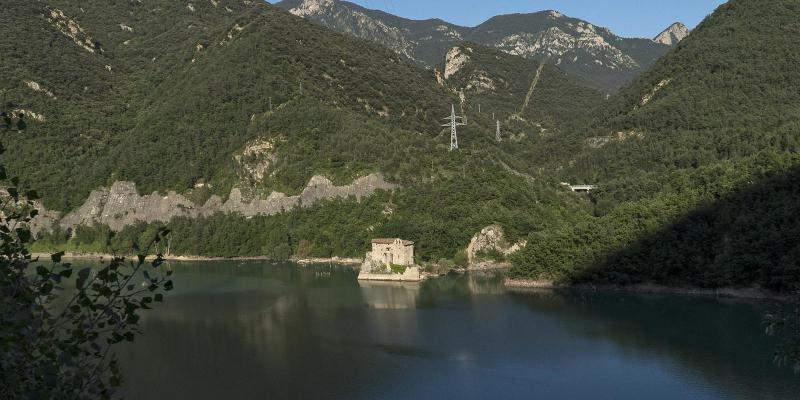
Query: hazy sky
{"type": "Point", "coordinates": [629, 18]}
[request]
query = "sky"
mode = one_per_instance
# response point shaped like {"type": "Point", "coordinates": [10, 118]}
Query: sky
{"type": "Point", "coordinates": [627, 18]}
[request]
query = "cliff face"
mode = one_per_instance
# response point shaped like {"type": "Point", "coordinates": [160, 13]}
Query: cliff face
{"type": "Point", "coordinates": [491, 238]}
{"type": "Point", "coordinates": [673, 35]}
{"type": "Point", "coordinates": [121, 205]}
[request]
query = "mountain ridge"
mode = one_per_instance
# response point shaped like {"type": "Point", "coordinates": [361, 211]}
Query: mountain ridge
{"type": "Point", "coordinates": [594, 54]}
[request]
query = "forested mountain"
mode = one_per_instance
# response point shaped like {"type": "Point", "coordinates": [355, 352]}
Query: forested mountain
{"type": "Point", "coordinates": [697, 161]}
{"type": "Point", "coordinates": [204, 97]}
{"type": "Point", "coordinates": [264, 134]}
{"type": "Point", "coordinates": [179, 81]}
{"type": "Point", "coordinates": [517, 89]}
{"type": "Point", "coordinates": [731, 90]}
{"type": "Point", "coordinates": [588, 52]}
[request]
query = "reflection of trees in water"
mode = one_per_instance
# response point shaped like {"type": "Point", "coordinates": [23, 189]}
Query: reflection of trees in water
{"type": "Point", "coordinates": [289, 273]}
{"type": "Point", "coordinates": [284, 340]}
{"type": "Point", "coordinates": [438, 292]}
{"type": "Point", "coordinates": [724, 343]}
{"type": "Point", "coordinates": [783, 322]}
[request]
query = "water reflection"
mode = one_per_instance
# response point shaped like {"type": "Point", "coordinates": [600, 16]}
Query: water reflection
{"type": "Point", "coordinates": [715, 342]}
{"type": "Point", "coordinates": [390, 295]}
{"type": "Point", "coordinates": [250, 330]}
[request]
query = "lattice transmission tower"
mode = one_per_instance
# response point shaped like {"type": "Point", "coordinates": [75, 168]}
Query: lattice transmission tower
{"type": "Point", "coordinates": [455, 122]}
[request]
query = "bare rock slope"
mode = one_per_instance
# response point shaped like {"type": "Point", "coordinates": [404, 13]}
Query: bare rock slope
{"type": "Point", "coordinates": [121, 205]}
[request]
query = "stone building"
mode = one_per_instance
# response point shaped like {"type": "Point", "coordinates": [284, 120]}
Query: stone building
{"type": "Point", "coordinates": [393, 252]}
{"type": "Point", "coordinates": [391, 260]}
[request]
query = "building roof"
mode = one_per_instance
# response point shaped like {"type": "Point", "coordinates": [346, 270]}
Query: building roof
{"type": "Point", "coordinates": [392, 240]}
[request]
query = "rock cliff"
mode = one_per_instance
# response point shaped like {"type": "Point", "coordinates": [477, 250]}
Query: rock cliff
{"type": "Point", "coordinates": [672, 35]}
{"type": "Point", "coordinates": [491, 238]}
{"type": "Point", "coordinates": [121, 205]}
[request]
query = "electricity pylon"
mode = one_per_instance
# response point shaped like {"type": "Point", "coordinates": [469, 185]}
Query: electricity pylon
{"type": "Point", "coordinates": [455, 122]}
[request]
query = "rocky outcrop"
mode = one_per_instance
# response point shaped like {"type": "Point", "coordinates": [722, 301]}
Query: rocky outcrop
{"type": "Point", "coordinates": [256, 160]}
{"type": "Point", "coordinates": [70, 28]}
{"type": "Point", "coordinates": [27, 114]}
{"type": "Point", "coordinates": [556, 43]}
{"type": "Point", "coordinates": [312, 7]}
{"type": "Point", "coordinates": [41, 222]}
{"type": "Point", "coordinates": [121, 205]}
{"type": "Point", "coordinates": [37, 87]}
{"type": "Point", "coordinates": [455, 59]}
{"type": "Point", "coordinates": [657, 88]}
{"type": "Point", "coordinates": [491, 238]}
{"type": "Point", "coordinates": [672, 35]}
{"type": "Point", "coordinates": [621, 136]}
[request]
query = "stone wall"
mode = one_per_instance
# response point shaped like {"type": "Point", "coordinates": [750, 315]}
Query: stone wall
{"type": "Point", "coordinates": [397, 253]}
{"type": "Point", "coordinates": [411, 274]}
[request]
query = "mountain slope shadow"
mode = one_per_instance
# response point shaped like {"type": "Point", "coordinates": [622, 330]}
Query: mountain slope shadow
{"type": "Point", "coordinates": [750, 237]}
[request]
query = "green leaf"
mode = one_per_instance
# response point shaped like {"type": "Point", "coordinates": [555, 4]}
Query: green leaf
{"type": "Point", "coordinates": [159, 297]}
{"type": "Point", "coordinates": [168, 285]}
{"type": "Point", "coordinates": [13, 192]}
{"type": "Point", "coordinates": [47, 288]}
{"type": "Point", "coordinates": [66, 273]}
{"type": "Point", "coordinates": [56, 258]}
{"type": "Point", "coordinates": [23, 234]}
{"type": "Point", "coordinates": [83, 275]}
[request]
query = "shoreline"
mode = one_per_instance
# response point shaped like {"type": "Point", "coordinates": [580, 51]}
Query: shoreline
{"type": "Point", "coordinates": [523, 285]}
{"type": "Point", "coordinates": [512, 285]}
{"type": "Point", "coordinates": [302, 261]}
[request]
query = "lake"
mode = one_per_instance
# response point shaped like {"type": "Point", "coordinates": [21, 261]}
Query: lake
{"type": "Point", "coordinates": [256, 330]}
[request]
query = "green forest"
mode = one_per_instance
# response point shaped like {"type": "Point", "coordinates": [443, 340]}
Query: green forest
{"type": "Point", "coordinates": [706, 193]}
{"type": "Point", "coordinates": [696, 159]}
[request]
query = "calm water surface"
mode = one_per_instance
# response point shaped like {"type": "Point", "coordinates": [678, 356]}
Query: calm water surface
{"type": "Point", "coordinates": [257, 330]}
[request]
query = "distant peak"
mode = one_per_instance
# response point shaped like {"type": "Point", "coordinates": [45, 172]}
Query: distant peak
{"type": "Point", "coordinates": [672, 35]}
